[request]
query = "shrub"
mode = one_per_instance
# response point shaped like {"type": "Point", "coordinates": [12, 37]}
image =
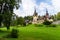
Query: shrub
{"type": "Point", "coordinates": [39, 25]}
{"type": "Point", "coordinates": [14, 33]}
{"type": "Point", "coordinates": [52, 25]}
{"type": "Point", "coordinates": [24, 24]}
{"type": "Point", "coordinates": [47, 22]}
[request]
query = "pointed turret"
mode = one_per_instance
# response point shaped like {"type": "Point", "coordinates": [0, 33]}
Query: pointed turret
{"type": "Point", "coordinates": [35, 13]}
{"type": "Point", "coordinates": [47, 12]}
{"type": "Point", "coordinates": [47, 15]}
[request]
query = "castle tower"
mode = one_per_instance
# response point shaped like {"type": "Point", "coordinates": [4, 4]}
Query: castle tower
{"type": "Point", "coordinates": [47, 15]}
{"type": "Point", "coordinates": [35, 13]}
{"type": "Point", "coordinates": [35, 17]}
{"type": "Point", "coordinates": [47, 12]}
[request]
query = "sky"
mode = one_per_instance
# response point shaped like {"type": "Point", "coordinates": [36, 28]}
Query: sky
{"type": "Point", "coordinates": [28, 6]}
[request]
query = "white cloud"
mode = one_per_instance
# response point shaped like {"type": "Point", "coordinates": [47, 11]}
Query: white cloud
{"type": "Point", "coordinates": [56, 3]}
{"type": "Point", "coordinates": [42, 8]}
{"type": "Point", "coordinates": [27, 7]}
{"type": "Point", "coordinates": [19, 12]}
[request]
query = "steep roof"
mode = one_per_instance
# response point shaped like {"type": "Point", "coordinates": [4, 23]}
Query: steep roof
{"type": "Point", "coordinates": [35, 13]}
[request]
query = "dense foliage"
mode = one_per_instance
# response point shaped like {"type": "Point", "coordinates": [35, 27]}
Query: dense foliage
{"type": "Point", "coordinates": [46, 22]}
{"type": "Point", "coordinates": [20, 21]}
{"type": "Point", "coordinates": [58, 16]}
{"type": "Point", "coordinates": [14, 33]}
{"type": "Point", "coordinates": [6, 11]}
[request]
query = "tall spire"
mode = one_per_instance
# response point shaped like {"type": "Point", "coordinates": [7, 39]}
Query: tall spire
{"type": "Point", "coordinates": [34, 9]}
{"type": "Point", "coordinates": [47, 12]}
{"type": "Point", "coordinates": [35, 13]}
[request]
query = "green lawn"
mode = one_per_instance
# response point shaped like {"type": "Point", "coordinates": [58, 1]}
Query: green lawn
{"type": "Point", "coordinates": [34, 33]}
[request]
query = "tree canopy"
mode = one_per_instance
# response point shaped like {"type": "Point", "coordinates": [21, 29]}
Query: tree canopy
{"type": "Point", "coordinates": [58, 16]}
{"type": "Point", "coordinates": [6, 10]}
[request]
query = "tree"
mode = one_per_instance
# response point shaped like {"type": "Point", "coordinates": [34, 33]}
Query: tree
{"type": "Point", "coordinates": [28, 17]}
{"type": "Point", "coordinates": [6, 10]}
{"type": "Point", "coordinates": [20, 21]}
{"type": "Point", "coordinates": [14, 20]}
{"type": "Point", "coordinates": [58, 16]}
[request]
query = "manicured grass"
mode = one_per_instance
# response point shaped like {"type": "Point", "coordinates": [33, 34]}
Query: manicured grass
{"type": "Point", "coordinates": [34, 33]}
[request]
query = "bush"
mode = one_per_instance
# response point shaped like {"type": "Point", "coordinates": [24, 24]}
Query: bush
{"type": "Point", "coordinates": [14, 33]}
{"type": "Point", "coordinates": [52, 25]}
{"type": "Point", "coordinates": [47, 22]}
{"type": "Point", "coordinates": [39, 25]}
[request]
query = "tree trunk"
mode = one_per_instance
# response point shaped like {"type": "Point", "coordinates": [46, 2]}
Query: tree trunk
{"type": "Point", "coordinates": [0, 23]}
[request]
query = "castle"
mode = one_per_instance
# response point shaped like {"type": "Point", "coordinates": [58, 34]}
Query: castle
{"type": "Point", "coordinates": [38, 19]}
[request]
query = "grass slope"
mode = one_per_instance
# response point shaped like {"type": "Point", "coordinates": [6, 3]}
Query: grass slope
{"type": "Point", "coordinates": [35, 33]}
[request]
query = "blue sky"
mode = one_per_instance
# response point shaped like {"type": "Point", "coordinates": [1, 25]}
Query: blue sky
{"type": "Point", "coordinates": [28, 6]}
{"type": "Point", "coordinates": [46, 1]}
